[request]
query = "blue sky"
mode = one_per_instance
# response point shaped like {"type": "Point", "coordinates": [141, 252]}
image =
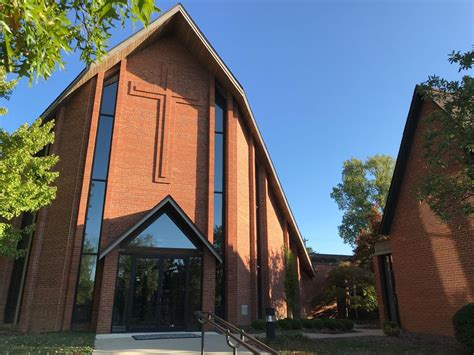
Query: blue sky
{"type": "Point", "coordinates": [327, 80]}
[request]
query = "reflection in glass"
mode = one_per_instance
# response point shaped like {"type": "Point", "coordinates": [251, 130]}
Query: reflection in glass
{"type": "Point", "coordinates": [194, 290]}
{"type": "Point", "coordinates": [219, 114]}
{"type": "Point", "coordinates": [94, 217]}
{"type": "Point", "coordinates": [122, 285]}
{"type": "Point", "coordinates": [162, 233]}
{"type": "Point", "coordinates": [102, 148]}
{"type": "Point", "coordinates": [218, 235]}
{"type": "Point", "coordinates": [218, 162]}
{"type": "Point", "coordinates": [108, 99]}
{"type": "Point", "coordinates": [145, 294]}
{"type": "Point", "coordinates": [173, 293]}
{"type": "Point", "coordinates": [85, 288]}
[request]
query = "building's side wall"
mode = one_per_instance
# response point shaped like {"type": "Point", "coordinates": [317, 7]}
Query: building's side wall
{"type": "Point", "coordinates": [47, 279]}
{"type": "Point", "coordinates": [276, 259]}
{"type": "Point", "coordinates": [433, 262]}
{"type": "Point", "coordinates": [243, 296]}
{"type": "Point", "coordinates": [378, 289]}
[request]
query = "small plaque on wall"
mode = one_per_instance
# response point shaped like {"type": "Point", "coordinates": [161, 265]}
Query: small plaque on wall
{"type": "Point", "coordinates": [245, 310]}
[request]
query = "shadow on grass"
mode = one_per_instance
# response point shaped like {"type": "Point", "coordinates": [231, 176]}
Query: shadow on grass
{"type": "Point", "coordinates": [43, 343]}
{"type": "Point", "coordinates": [407, 344]}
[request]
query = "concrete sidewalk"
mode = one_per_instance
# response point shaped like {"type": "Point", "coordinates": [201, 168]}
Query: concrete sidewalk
{"type": "Point", "coordinates": [124, 344]}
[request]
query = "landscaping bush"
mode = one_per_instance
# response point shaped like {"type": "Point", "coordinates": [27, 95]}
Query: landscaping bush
{"type": "Point", "coordinates": [307, 323]}
{"type": "Point", "coordinates": [285, 324]}
{"type": "Point", "coordinates": [347, 324]}
{"type": "Point", "coordinates": [463, 323]}
{"type": "Point", "coordinates": [332, 324]}
{"type": "Point", "coordinates": [391, 329]}
{"type": "Point", "coordinates": [296, 324]}
{"type": "Point", "coordinates": [318, 324]}
{"type": "Point", "coordinates": [258, 324]}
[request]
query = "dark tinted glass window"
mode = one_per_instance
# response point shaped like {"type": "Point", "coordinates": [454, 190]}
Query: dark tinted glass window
{"type": "Point", "coordinates": [218, 228]}
{"type": "Point", "coordinates": [219, 114]}
{"type": "Point", "coordinates": [102, 148]}
{"type": "Point", "coordinates": [85, 289]}
{"type": "Point", "coordinates": [94, 217]}
{"type": "Point", "coordinates": [108, 99]}
{"type": "Point", "coordinates": [218, 162]}
{"type": "Point", "coordinates": [163, 233]}
{"type": "Point", "coordinates": [122, 284]}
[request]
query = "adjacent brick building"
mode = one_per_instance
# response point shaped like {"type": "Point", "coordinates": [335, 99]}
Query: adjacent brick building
{"type": "Point", "coordinates": [167, 199]}
{"type": "Point", "coordinates": [425, 271]}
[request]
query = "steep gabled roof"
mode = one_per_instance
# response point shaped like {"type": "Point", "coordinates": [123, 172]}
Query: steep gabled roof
{"type": "Point", "coordinates": [178, 20]}
{"type": "Point", "coordinates": [402, 159]}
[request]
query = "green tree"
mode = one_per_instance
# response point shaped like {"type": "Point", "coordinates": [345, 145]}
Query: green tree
{"type": "Point", "coordinates": [363, 189]}
{"type": "Point", "coordinates": [448, 147]}
{"type": "Point", "coordinates": [290, 282]}
{"type": "Point", "coordinates": [352, 288]}
{"type": "Point", "coordinates": [34, 35]}
{"type": "Point", "coordinates": [25, 179]}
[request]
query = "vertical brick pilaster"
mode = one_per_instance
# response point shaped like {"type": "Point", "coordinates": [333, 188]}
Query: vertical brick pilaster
{"type": "Point", "coordinates": [253, 232]}
{"type": "Point", "coordinates": [230, 227]}
{"type": "Point", "coordinates": [82, 203]}
{"type": "Point", "coordinates": [262, 211]}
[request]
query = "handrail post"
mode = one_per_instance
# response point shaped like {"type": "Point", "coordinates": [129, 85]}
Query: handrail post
{"type": "Point", "coordinates": [202, 338]}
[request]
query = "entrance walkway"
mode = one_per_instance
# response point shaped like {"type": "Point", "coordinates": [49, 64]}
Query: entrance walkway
{"type": "Point", "coordinates": [124, 344]}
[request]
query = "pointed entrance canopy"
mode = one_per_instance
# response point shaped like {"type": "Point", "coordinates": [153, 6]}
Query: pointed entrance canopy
{"type": "Point", "coordinates": [178, 21]}
{"type": "Point", "coordinates": [162, 231]}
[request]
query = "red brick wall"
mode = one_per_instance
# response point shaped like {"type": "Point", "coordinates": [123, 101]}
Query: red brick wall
{"type": "Point", "coordinates": [433, 262]}
{"type": "Point", "coordinates": [276, 259]}
{"type": "Point", "coordinates": [49, 263]}
{"type": "Point", "coordinates": [162, 145]}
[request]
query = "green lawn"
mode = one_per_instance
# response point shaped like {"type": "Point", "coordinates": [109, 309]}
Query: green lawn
{"type": "Point", "coordinates": [299, 344]}
{"type": "Point", "coordinates": [44, 343]}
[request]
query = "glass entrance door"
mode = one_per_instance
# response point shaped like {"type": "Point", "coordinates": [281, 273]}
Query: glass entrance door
{"type": "Point", "coordinates": [157, 297]}
{"type": "Point", "coordinates": [173, 294]}
{"type": "Point", "coordinates": [145, 294]}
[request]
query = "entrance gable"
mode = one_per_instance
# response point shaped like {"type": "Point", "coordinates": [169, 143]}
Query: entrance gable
{"type": "Point", "coordinates": [165, 217]}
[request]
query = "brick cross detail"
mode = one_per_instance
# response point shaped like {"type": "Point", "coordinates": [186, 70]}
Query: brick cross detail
{"type": "Point", "coordinates": [173, 89]}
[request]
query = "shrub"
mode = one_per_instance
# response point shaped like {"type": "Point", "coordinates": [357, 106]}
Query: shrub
{"type": "Point", "coordinates": [307, 323]}
{"type": "Point", "coordinates": [332, 324]}
{"type": "Point", "coordinates": [318, 324]}
{"type": "Point", "coordinates": [347, 324]}
{"type": "Point", "coordinates": [391, 329]}
{"type": "Point", "coordinates": [258, 324]}
{"type": "Point", "coordinates": [463, 323]}
{"type": "Point", "coordinates": [296, 323]}
{"type": "Point", "coordinates": [285, 324]}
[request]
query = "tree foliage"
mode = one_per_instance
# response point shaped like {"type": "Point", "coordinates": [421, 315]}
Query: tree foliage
{"type": "Point", "coordinates": [353, 289]}
{"type": "Point", "coordinates": [364, 187]}
{"type": "Point", "coordinates": [290, 281]}
{"type": "Point", "coordinates": [26, 179]}
{"type": "Point", "coordinates": [366, 240]}
{"type": "Point", "coordinates": [34, 35]}
{"type": "Point", "coordinates": [448, 147]}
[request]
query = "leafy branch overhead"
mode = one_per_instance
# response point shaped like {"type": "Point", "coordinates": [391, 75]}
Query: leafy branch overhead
{"type": "Point", "coordinates": [34, 35]}
{"type": "Point", "coordinates": [448, 147]}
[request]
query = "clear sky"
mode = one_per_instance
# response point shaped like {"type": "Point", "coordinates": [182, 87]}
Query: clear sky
{"type": "Point", "coordinates": [327, 80]}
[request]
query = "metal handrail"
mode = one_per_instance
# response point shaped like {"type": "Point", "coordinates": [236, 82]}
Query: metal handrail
{"type": "Point", "coordinates": [232, 332]}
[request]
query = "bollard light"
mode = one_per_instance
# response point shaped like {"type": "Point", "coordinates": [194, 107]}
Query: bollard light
{"type": "Point", "coordinates": [270, 324]}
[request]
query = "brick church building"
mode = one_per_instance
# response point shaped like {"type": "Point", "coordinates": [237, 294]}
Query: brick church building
{"type": "Point", "coordinates": [425, 270]}
{"type": "Point", "coordinates": [167, 198]}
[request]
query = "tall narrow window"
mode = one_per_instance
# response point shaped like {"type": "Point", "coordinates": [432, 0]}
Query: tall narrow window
{"type": "Point", "coordinates": [219, 169]}
{"type": "Point", "coordinates": [95, 206]}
